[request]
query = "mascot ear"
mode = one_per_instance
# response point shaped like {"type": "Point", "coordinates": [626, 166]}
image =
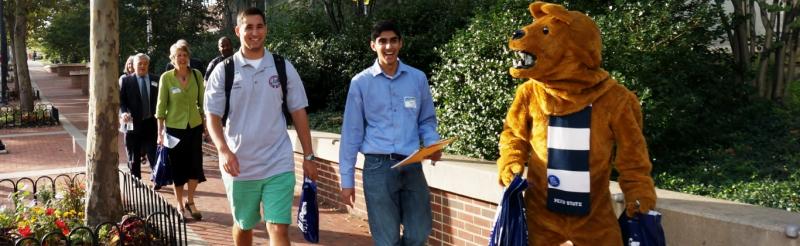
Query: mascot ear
{"type": "Point", "coordinates": [540, 9]}
{"type": "Point", "coordinates": [536, 9]}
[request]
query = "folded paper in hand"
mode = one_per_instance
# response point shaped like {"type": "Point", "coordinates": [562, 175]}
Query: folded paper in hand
{"type": "Point", "coordinates": [422, 153]}
{"type": "Point", "coordinates": [170, 141]}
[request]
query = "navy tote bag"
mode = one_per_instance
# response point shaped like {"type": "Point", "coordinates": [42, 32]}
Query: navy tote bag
{"type": "Point", "coordinates": [162, 176]}
{"type": "Point", "coordinates": [308, 212]}
{"type": "Point", "coordinates": [642, 229]}
{"type": "Point", "coordinates": [510, 227]}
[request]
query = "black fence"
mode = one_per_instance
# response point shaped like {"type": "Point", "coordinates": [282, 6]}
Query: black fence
{"type": "Point", "coordinates": [137, 197]}
{"type": "Point", "coordinates": [42, 115]}
{"type": "Point", "coordinates": [163, 225]}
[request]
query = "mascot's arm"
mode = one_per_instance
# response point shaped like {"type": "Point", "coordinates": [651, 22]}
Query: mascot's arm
{"type": "Point", "coordinates": [514, 140]}
{"type": "Point", "coordinates": [632, 160]}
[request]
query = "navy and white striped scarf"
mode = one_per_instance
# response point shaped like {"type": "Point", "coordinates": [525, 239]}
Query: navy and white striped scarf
{"type": "Point", "coordinates": [568, 163]}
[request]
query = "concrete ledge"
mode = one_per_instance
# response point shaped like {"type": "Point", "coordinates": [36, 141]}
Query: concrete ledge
{"type": "Point", "coordinates": [80, 79]}
{"type": "Point", "coordinates": [698, 220]}
{"type": "Point", "coordinates": [64, 69]}
{"type": "Point", "coordinates": [687, 219]}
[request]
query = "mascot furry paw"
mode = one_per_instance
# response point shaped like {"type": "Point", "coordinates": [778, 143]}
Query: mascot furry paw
{"type": "Point", "coordinates": [569, 123]}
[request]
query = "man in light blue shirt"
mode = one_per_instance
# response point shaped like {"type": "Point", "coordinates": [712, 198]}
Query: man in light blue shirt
{"type": "Point", "coordinates": [389, 112]}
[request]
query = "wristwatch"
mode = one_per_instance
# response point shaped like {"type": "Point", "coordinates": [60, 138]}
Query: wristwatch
{"type": "Point", "coordinates": [309, 157]}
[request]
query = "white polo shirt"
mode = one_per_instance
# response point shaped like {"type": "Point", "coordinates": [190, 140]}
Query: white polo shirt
{"type": "Point", "coordinates": [256, 129]}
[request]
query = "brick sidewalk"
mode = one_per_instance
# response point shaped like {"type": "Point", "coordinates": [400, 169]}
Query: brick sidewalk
{"type": "Point", "coordinates": [52, 147]}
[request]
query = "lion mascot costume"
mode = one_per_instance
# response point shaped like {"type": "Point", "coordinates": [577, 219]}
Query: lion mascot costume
{"type": "Point", "coordinates": [569, 123]}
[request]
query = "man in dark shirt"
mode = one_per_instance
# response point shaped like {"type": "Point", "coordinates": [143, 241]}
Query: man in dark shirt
{"type": "Point", "coordinates": [225, 50]}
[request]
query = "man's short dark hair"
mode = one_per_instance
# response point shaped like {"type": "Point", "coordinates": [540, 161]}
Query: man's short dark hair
{"type": "Point", "coordinates": [383, 26]}
{"type": "Point", "coordinates": [250, 11]}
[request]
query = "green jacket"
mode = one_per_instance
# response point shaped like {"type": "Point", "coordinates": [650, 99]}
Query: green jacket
{"type": "Point", "coordinates": [180, 106]}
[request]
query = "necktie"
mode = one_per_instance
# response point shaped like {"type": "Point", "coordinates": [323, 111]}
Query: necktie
{"type": "Point", "coordinates": [145, 98]}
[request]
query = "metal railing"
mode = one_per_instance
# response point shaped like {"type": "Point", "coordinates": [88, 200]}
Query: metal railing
{"type": "Point", "coordinates": [163, 225]}
{"type": "Point", "coordinates": [138, 198]}
{"type": "Point", "coordinates": [42, 115]}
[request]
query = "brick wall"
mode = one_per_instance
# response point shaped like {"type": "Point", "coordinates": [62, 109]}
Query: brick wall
{"type": "Point", "coordinates": [457, 220]}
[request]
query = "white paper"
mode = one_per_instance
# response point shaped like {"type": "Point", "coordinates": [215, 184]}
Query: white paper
{"type": "Point", "coordinates": [170, 141]}
{"type": "Point", "coordinates": [125, 127]}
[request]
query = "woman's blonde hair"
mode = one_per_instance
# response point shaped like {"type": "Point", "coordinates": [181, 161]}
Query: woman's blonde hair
{"type": "Point", "coordinates": [129, 62]}
{"type": "Point", "coordinates": [181, 45]}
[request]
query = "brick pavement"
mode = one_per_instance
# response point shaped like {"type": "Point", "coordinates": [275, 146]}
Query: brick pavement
{"type": "Point", "coordinates": [52, 147]}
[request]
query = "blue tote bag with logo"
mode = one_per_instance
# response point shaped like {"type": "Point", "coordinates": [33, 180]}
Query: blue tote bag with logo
{"type": "Point", "coordinates": [642, 229]}
{"type": "Point", "coordinates": [510, 227]}
{"type": "Point", "coordinates": [162, 176]}
{"type": "Point", "coordinates": [308, 212]}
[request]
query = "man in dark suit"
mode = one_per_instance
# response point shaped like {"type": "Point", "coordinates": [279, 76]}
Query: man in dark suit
{"type": "Point", "coordinates": [138, 96]}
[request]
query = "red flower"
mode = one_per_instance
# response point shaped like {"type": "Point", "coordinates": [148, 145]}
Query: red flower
{"type": "Point", "coordinates": [63, 226]}
{"type": "Point", "coordinates": [25, 231]}
{"type": "Point", "coordinates": [60, 224]}
{"type": "Point", "coordinates": [50, 211]}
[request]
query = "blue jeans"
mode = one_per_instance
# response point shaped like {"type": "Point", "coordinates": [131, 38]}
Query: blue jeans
{"type": "Point", "coordinates": [394, 197]}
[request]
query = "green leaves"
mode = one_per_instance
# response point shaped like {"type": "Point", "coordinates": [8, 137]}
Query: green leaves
{"type": "Point", "coordinates": [471, 85]}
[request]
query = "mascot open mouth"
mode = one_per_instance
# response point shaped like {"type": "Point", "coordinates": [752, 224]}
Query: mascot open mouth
{"type": "Point", "coordinates": [524, 60]}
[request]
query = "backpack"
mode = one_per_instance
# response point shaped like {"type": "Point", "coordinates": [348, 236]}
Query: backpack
{"type": "Point", "coordinates": [280, 65]}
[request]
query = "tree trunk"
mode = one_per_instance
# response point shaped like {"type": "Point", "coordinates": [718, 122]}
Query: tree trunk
{"type": "Point", "coordinates": [768, 54]}
{"type": "Point", "coordinates": [737, 35]}
{"type": "Point", "coordinates": [12, 62]}
{"type": "Point", "coordinates": [330, 10]}
{"type": "Point", "coordinates": [103, 200]}
{"type": "Point", "coordinates": [781, 91]}
{"type": "Point", "coordinates": [232, 8]}
{"type": "Point", "coordinates": [21, 57]}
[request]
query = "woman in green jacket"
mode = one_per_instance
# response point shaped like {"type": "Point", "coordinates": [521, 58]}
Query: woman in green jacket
{"type": "Point", "coordinates": [179, 112]}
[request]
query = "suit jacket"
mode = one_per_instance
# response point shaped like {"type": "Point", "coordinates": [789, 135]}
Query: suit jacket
{"type": "Point", "coordinates": [130, 99]}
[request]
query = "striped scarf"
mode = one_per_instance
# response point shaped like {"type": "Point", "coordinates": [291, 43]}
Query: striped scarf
{"type": "Point", "coordinates": [568, 162]}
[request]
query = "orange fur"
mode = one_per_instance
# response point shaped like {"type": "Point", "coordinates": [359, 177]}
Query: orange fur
{"type": "Point", "coordinates": [565, 79]}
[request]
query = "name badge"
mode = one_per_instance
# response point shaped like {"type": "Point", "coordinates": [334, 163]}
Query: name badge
{"type": "Point", "coordinates": [153, 83]}
{"type": "Point", "coordinates": [410, 102]}
{"type": "Point", "coordinates": [175, 90]}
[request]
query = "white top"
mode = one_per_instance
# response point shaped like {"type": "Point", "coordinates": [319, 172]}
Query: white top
{"type": "Point", "coordinates": [256, 129]}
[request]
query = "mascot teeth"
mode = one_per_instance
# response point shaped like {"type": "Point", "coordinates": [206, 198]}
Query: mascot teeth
{"type": "Point", "coordinates": [524, 60]}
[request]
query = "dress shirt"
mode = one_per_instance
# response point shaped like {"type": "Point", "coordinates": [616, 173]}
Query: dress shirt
{"type": "Point", "coordinates": [386, 115]}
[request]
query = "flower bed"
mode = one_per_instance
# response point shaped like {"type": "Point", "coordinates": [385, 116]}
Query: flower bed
{"type": "Point", "coordinates": [47, 211]}
{"type": "Point", "coordinates": [49, 217]}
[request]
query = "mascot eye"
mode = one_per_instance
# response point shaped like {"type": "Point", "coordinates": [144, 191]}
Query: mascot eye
{"type": "Point", "coordinates": [546, 30]}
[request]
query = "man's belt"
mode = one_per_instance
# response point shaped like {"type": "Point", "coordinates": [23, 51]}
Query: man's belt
{"type": "Point", "coordinates": [394, 157]}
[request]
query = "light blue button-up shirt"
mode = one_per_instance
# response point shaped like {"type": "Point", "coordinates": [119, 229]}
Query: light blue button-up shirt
{"type": "Point", "coordinates": [385, 115]}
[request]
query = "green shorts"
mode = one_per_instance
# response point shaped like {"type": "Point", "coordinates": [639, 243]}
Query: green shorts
{"type": "Point", "coordinates": [275, 194]}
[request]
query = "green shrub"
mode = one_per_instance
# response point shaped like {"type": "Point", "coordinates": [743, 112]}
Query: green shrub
{"type": "Point", "coordinates": [471, 85]}
{"type": "Point", "coordinates": [794, 96]}
{"type": "Point", "coordinates": [66, 39]}
{"type": "Point", "coordinates": [326, 121]}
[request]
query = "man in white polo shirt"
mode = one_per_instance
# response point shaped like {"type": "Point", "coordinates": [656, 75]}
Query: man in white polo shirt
{"type": "Point", "coordinates": [255, 153]}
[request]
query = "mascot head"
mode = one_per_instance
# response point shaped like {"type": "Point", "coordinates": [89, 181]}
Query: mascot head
{"type": "Point", "coordinates": [557, 46]}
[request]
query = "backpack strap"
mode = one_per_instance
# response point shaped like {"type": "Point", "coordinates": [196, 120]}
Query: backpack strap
{"type": "Point", "coordinates": [197, 82]}
{"type": "Point", "coordinates": [228, 63]}
{"type": "Point", "coordinates": [280, 66]}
